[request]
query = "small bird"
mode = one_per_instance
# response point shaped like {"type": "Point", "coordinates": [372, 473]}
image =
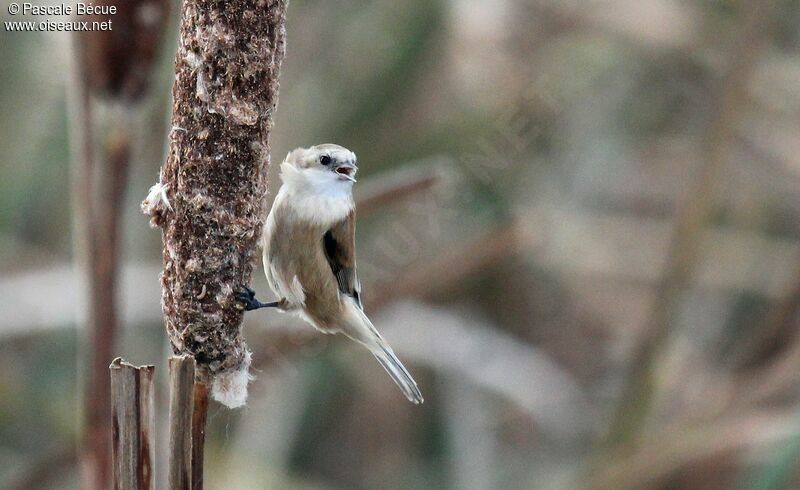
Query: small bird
{"type": "Point", "coordinates": [310, 255]}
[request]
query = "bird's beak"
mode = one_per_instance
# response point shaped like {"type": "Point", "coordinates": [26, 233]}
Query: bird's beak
{"type": "Point", "coordinates": [347, 171]}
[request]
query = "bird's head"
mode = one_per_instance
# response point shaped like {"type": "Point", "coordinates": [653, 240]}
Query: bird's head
{"type": "Point", "coordinates": [325, 164]}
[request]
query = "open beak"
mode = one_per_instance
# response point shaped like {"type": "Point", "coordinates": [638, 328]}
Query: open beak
{"type": "Point", "coordinates": [347, 171]}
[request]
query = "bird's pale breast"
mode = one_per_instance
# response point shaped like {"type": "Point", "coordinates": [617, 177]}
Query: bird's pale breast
{"type": "Point", "coordinates": [294, 257]}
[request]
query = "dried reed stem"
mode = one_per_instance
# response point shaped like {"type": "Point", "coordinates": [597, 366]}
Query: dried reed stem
{"type": "Point", "coordinates": [199, 415]}
{"type": "Point", "coordinates": [181, 414]}
{"type": "Point", "coordinates": [133, 425]}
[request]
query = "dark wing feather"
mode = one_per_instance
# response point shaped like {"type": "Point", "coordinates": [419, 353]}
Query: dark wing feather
{"type": "Point", "coordinates": [340, 249]}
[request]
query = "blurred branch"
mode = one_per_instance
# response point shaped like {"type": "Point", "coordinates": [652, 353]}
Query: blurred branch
{"type": "Point", "coordinates": [630, 249]}
{"type": "Point", "coordinates": [95, 450]}
{"type": "Point", "coordinates": [118, 62]}
{"type": "Point", "coordinates": [101, 229]}
{"type": "Point", "coordinates": [665, 25]}
{"type": "Point", "coordinates": [660, 455]}
{"type": "Point", "coordinates": [395, 186]}
{"type": "Point", "coordinates": [636, 398]}
{"type": "Point", "coordinates": [449, 268]}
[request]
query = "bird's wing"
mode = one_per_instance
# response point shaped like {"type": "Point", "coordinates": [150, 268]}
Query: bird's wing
{"type": "Point", "coordinates": [340, 250]}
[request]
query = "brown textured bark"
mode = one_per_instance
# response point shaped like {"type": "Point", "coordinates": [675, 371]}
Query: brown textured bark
{"type": "Point", "coordinates": [225, 92]}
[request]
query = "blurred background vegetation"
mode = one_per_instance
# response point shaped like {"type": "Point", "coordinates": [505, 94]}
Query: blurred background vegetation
{"type": "Point", "coordinates": [601, 290]}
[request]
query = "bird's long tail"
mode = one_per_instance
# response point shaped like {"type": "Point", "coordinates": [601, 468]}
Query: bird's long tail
{"type": "Point", "coordinates": [367, 335]}
{"type": "Point", "coordinates": [398, 372]}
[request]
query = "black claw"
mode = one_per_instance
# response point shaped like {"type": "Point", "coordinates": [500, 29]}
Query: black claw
{"type": "Point", "coordinates": [246, 298]}
{"type": "Point", "coordinates": [248, 302]}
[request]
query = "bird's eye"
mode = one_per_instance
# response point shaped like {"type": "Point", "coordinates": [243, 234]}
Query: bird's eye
{"type": "Point", "coordinates": [325, 160]}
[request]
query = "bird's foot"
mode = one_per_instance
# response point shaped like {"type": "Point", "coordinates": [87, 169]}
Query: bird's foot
{"type": "Point", "coordinates": [246, 300]}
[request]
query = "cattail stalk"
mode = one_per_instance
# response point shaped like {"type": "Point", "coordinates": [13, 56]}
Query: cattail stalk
{"type": "Point", "coordinates": [210, 201]}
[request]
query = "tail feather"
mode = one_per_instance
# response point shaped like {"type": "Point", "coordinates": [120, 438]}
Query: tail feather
{"type": "Point", "coordinates": [398, 372]}
{"type": "Point", "coordinates": [360, 329]}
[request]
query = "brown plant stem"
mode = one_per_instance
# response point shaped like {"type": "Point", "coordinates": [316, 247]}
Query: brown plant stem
{"type": "Point", "coordinates": [94, 451]}
{"type": "Point", "coordinates": [113, 65]}
{"type": "Point", "coordinates": [215, 178]}
{"type": "Point", "coordinates": [181, 415]}
{"type": "Point", "coordinates": [199, 416]}
{"type": "Point", "coordinates": [133, 420]}
{"type": "Point", "coordinates": [102, 238]}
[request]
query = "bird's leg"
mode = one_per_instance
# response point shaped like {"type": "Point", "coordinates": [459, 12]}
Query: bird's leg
{"type": "Point", "coordinates": [247, 300]}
